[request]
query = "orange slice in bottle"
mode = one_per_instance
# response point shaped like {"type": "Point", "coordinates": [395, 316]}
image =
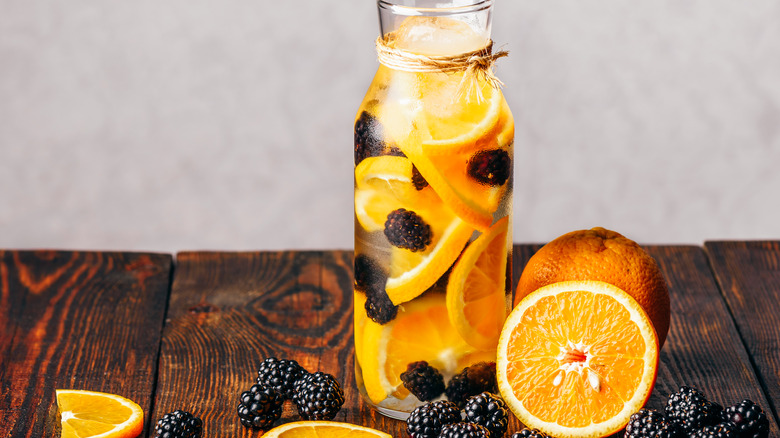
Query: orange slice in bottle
{"type": "Point", "coordinates": [384, 184]}
{"type": "Point", "coordinates": [447, 140]}
{"type": "Point", "coordinates": [91, 414]}
{"type": "Point", "coordinates": [476, 291]}
{"type": "Point", "coordinates": [421, 331]}
{"type": "Point", "coordinates": [576, 359]}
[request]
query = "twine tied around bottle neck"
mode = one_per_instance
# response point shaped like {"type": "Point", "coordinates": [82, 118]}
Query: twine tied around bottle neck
{"type": "Point", "coordinates": [476, 65]}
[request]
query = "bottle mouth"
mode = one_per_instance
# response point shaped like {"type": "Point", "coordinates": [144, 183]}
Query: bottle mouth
{"type": "Point", "coordinates": [433, 7]}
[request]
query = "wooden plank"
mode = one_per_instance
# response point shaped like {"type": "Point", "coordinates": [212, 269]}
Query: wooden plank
{"type": "Point", "coordinates": [703, 349]}
{"type": "Point", "coordinates": [749, 278]}
{"type": "Point", "coordinates": [228, 311]}
{"type": "Point", "coordinates": [82, 320]}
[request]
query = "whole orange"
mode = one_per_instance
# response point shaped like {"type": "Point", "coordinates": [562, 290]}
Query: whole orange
{"type": "Point", "coordinates": [599, 254]}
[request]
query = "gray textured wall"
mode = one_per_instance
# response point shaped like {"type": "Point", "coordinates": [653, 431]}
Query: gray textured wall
{"type": "Point", "coordinates": [173, 124]}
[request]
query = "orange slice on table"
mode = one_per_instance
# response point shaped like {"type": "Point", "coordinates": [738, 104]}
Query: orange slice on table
{"type": "Point", "coordinates": [476, 291]}
{"type": "Point", "coordinates": [317, 429]}
{"type": "Point", "coordinates": [421, 331]}
{"type": "Point", "coordinates": [384, 184]}
{"type": "Point", "coordinates": [576, 359]}
{"type": "Point", "coordinates": [98, 415]}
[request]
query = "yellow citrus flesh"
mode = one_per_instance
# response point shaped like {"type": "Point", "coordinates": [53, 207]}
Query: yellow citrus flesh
{"type": "Point", "coordinates": [476, 291]}
{"type": "Point", "coordinates": [443, 131]}
{"type": "Point", "coordinates": [98, 415]}
{"type": "Point", "coordinates": [421, 331]}
{"type": "Point", "coordinates": [412, 272]}
{"type": "Point", "coordinates": [317, 429]}
{"type": "Point", "coordinates": [576, 359]}
{"type": "Point", "coordinates": [384, 184]}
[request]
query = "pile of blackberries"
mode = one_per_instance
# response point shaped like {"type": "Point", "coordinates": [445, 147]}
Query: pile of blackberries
{"type": "Point", "coordinates": [426, 382]}
{"type": "Point", "coordinates": [318, 396]}
{"type": "Point", "coordinates": [688, 413]}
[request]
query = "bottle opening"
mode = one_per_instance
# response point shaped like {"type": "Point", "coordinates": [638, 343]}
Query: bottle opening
{"type": "Point", "coordinates": [433, 7]}
{"type": "Point", "coordinates": [437, 27]}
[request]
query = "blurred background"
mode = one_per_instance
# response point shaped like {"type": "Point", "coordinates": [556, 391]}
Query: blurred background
{"type": "Point", "coordinates": [169, 125]}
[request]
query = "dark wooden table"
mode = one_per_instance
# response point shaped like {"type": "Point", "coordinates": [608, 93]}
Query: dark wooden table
{"type": "Point", "coordinates": [191, 334]}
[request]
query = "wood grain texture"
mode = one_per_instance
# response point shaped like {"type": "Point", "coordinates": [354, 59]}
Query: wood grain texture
{"type": "Point", "coordinates": [749, 278]}
{"type": "Point", "coordinates": [703, 349]}
{"type": "Point", "coordinates": [229, 311]}
{"type": "Point", "coordinates": [83, 320]}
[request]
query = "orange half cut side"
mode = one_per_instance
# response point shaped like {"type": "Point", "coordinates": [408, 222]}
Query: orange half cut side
{"type": "Point", "coordinates": [576, 359]}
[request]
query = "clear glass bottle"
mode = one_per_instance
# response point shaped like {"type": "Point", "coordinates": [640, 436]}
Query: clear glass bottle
{"type": "Point", "coordinates": [433, 203]}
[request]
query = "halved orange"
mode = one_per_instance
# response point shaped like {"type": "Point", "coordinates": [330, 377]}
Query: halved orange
{"type": "Point", "coordinates": [476, 291]}
{"type": "Point", "coordinates": [576, 359]}
{"type": "Point", "coordinates": [384, 184]}
{"type": "Point", "coordinates": [317, 429]}
{"type": "Point", "coordinates": [421, 331]}
{"type": "Point", "coordinates": [98, 415]}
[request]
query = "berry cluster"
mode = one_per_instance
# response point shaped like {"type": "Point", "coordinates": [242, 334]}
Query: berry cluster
{"type": "Point", "coordinates": [485, 415]}
{"type": "Point", "coordinates": [688, 414]}
{"type": "Point", "coordinates": [426, 382]}
{"type": "Point", "coordinates": [318, 396]}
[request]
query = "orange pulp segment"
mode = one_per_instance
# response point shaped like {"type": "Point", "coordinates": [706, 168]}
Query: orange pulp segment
{"type": "Point", "coordinates": [317, 429]}
{"type": "Point", "coordinates": [476, 291]}
{"type": "Point", "coordinates": [421, 331]}
{"type": "Point", "coordinates": [577, 358]}
{"type": "Point", "coordinates": [98, 415]}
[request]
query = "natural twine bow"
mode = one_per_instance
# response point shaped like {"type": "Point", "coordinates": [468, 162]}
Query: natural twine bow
{"type": "Point", "coordinates": [476, 65]}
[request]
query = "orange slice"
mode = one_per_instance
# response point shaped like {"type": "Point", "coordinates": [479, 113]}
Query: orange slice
{"type": "Point", "coordinates": [411, 273]}
{"type": "Point", "coordinates": [442, 151]}
{"type": "Point", "coordinates": [421, 331]}
{"type": "Point", "coordinates": [98, 415]}
{"type": "Point", "coordinates": [476, 291]}
{"type": "Point", "coordinates": [384, 184]}
{"type": "Point", "coordinates": [317, 429]}
{"type": "Point", "coordinates": [576, 359]}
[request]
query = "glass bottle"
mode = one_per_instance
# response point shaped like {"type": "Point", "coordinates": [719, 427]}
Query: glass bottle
{"type": "Point", "coordinates": [433, 205]}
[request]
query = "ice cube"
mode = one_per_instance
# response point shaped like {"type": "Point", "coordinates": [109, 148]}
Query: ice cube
{"type": "Point", "coordinates": [437, 36]}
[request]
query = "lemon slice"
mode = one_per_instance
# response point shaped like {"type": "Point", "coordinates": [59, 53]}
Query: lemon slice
{"type": "Point", "coordinates": [476, 291]}
{"type": "Point", "coordinates": [317, 429]}
{"type": "Point", "coordinates": [421, 331]}
{"type": "Point", "coordinates": [89, 414]}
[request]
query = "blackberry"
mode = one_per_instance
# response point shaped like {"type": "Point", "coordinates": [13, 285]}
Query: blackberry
{"type": "Point", "coordinates": [318, 396]}
{"type": "Point", "coordinates": [464, 430]}
{"type": "Point", "coordinates": [260, 407]}
{"type": "Point", "coordinates": [423, 380]}
{"type": "Point", "coordinates": [280, 374]}
{"type": "Point", "coordinates": [417, 179]}
{"type": "Point", "coordinates": [379, 307]}
{"type": "Point", "coordinates": [492, 167]}
{"type": "Point", "coordinates": [178, 424]}
{"type": "Point", "coordinates": [530, 433]}
{"type": "Point", "coordinates": [490, 411]}
{"type": "Point", "coordinates": [369, 141]}
{"type": "Point", "coordinates": [750, 420]}
{"type": "Point", "coordinates": [426, 421]}
{"type": "Point", "coordinates": [691, 410]}
{"type": "Point", "coordinates": [406, 229]}
{"type": "Point", "coordinates": [473, 380]}
{"type": "Point", "coordinates": [651, 423]}
{"type": "Point", "coordinates": [720, 430]}
{"type": "Point", "coordinates": [368, 274]}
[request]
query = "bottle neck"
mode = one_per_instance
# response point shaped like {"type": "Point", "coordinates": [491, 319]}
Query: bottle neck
{"type": "Point", "coordinates": [436, 28]}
